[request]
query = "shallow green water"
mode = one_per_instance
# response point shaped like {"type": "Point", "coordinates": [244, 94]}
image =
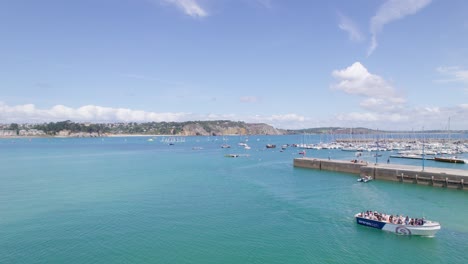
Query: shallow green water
{"type": "Point", "coordinates": [127, 200]}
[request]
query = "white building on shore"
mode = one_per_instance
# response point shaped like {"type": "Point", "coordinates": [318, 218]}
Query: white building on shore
{"type": "Point", "coordinates": [7, 133]}
{"type": "Point", "coordinates": [31, 132]}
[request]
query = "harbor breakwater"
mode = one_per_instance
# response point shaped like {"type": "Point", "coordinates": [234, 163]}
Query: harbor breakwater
{"type": "Point", "coordinates": [431, 176]}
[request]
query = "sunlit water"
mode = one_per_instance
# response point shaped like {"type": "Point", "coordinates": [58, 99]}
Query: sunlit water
{"type": "Point", "coordinates": [128, 200]}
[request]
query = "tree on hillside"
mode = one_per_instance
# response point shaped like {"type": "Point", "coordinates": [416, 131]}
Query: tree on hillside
{"type": "Point", "coordinates": [14, 126]}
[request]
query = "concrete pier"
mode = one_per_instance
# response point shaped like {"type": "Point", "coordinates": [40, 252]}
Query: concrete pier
{"type": "Point", "coordinates": [431, 176]}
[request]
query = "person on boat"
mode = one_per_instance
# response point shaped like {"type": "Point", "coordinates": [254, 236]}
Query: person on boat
{"type": "Point", "coordinates": [392, 219]}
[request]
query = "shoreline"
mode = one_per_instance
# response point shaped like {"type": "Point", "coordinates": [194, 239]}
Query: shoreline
{"type": "Point", "coordinates": [120, 135]}
{"type": "Point", "coordinates": [103, 136]}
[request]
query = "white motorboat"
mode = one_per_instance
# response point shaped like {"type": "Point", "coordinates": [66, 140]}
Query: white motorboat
{"type": "Point", "coordinates": [398, 225]}
{"type": "Point", "coordinates": [365, 179]}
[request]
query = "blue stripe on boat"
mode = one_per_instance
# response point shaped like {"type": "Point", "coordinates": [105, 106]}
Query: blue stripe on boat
{"type": "Point", "coordinates": [371, 223]}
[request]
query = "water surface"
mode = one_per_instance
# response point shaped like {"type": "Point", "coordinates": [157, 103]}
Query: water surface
{"type": "Point", "coordinates": [128, 200]}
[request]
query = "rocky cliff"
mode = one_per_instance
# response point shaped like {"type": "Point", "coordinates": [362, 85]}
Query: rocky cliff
{"type": "Point", "coordinates": [227, 128]}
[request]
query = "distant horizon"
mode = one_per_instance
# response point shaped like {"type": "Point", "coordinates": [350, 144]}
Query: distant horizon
{"type": "Point", "coordinates": [382, 64]}
{"type": "Point", "coordinates": [234, 121]}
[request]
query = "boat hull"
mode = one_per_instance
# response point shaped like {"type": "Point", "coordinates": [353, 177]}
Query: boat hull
{"type": "Point", "coordinates": [428, 229]}
{"type": "Point", "coordinates": [450, 160]}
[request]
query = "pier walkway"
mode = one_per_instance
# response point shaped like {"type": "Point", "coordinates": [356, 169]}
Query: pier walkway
{"type": "Point", "coordinates": [432, 176]}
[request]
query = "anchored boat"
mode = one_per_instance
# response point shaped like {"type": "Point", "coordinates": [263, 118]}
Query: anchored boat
{"type": "Point", "coordinates": [398, 224]}
{"type": "Point", "coordinates": [365, 179]}
{"type": "Point", "coordinates": [450, 160]}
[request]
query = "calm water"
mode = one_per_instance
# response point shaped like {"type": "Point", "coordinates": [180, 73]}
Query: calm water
{"type": "Point", "coordinates": [127, 200]}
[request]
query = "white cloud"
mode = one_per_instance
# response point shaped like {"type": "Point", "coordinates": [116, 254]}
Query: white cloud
{"type": "Point", "coordinates": [88, 113]}
{"type": "Point", "coordinates": [213, 116]}
{"type": "Point", "coordinates": [382, 105]}
{"type": "Point", "coordinates": [282, 118]}
{"type": "Point", "coordinates": [357, 80]}
{"type": "Point", "coordinates": [189, 7]}
{"type": "Point", "coordinates": [455, 74]}
{"type": "Point", "coordinates": [287, 117]}
{"type": "Point", "coordinates": [408, 118]}
{"type": "Point", "coordinates": [291, 121]}
{"type": "Point", "coordinates": [390, 11]}
{"type": "Point", "coordinates": [357, 117]}
{"type": "Point", "coordinates": [351, 28]}
{"type": "Point", "coordinates": [384, 108]}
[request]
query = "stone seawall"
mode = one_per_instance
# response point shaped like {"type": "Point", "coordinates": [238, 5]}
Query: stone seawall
{"type": "Point", "coordinates": [439, 177]}
{"type": "Point", "coordinates": [342, 166]}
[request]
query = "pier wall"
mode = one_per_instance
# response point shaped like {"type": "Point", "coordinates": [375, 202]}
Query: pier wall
{"type": "Point", "coordinates": [329, 165]}
{"type": "Point", "coordinates": [345, 166]}
{"type": "Point", "coordinates": [438, 177]}
{"type": "Point", "coordinates": [308, 163]}
{"type": "Point", "coordinates": [431, 178]}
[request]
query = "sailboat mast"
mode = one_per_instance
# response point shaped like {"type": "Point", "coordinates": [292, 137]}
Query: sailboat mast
{"type": "Point", "coordinates": [448, 127]}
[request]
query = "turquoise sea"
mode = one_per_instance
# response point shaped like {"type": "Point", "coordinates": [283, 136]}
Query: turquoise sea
{"type": "Point", "coordinates": [130, 200]}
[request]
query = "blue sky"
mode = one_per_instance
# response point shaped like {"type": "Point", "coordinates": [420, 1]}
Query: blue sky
{"type": "Point", "coordinates": [386, 64]}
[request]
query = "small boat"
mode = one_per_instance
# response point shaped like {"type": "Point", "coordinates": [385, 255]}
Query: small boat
{"type": "Point", "coordinates": [450, 160]}
{"type": "Point", "coordinates": [365, 179]}
{"type": "Point", "coordinates": [236, 155]}
{"type": "Point", "coordinates": [225, 146]}
{"type": "Point", "coordinates": [270, 146]}
{"type": "Point", "coordinates": [411, 156]}
{"type": "Point", "coordinates": [398, 224]}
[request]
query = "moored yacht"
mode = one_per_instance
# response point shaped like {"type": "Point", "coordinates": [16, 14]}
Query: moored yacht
{"type": "Point", "coordinates": [449, 159]}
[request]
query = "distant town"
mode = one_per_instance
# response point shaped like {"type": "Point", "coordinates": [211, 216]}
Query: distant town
{"type": "Point", "coordinates": [190, 128]}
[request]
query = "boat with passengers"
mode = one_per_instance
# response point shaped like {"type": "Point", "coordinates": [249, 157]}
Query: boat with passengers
{"type": "Point", "coordinates": [398, 224]}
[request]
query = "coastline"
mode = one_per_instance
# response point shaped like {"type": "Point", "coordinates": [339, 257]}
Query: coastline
{"type": "Point", "coordinates": [138, 135]}
{"type": "Point", "coordinates": [102, 136]}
